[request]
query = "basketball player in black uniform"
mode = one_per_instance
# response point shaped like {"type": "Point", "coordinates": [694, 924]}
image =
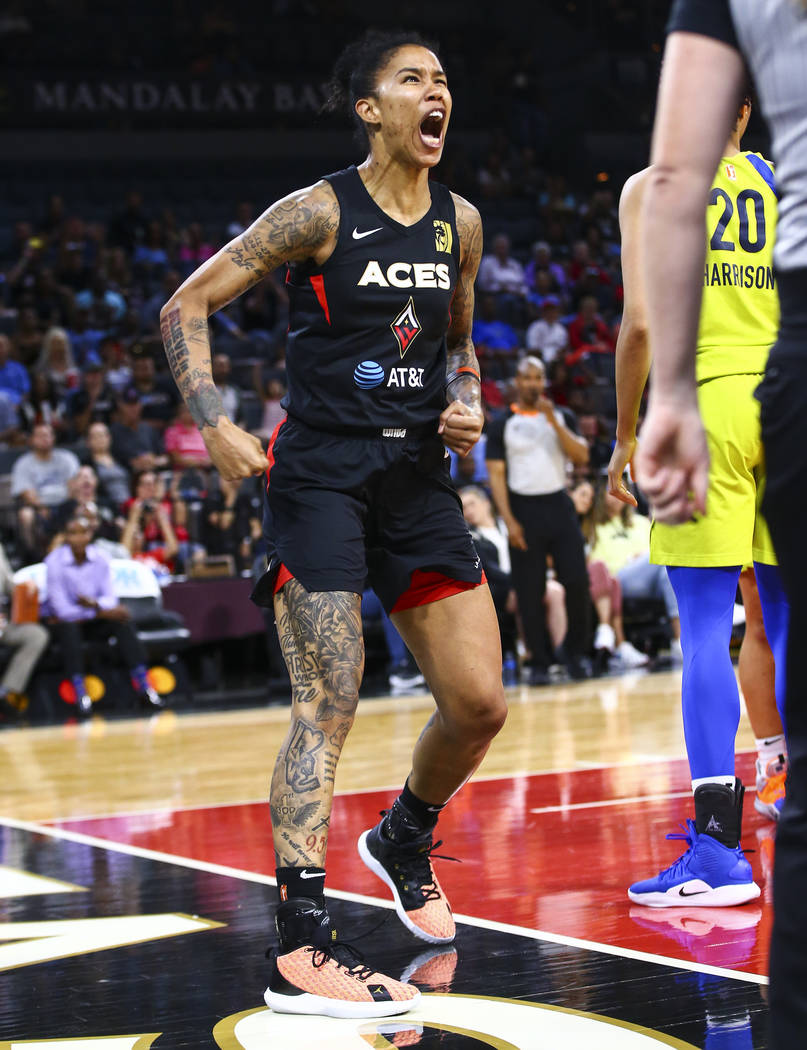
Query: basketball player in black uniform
{"type": "Point", "coordinates": [382, 379]}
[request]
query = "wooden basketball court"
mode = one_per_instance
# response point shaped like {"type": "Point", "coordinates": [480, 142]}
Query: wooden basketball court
{"type": "Point", "coordinates": [136, 883]}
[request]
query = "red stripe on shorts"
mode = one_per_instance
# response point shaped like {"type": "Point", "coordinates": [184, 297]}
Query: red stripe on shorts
{"type": "Point", "coordinates": [282, 578]}
{"type": "Point", "coordinates": [270, 450]}
{"type": "Point", "coordinates": [427, 587]}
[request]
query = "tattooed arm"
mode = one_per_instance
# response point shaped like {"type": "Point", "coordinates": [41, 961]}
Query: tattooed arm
{"type": "Point", "coordinates": [461, 422]}
{"type": "Point", "coordinates": [298, 227]}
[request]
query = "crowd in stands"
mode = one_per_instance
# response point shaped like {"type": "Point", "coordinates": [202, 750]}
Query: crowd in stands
{"type": "Point", "coordinates": [92, 425]}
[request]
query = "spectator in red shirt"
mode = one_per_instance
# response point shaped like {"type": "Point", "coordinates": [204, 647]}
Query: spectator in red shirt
{"type": "Point", "coordinates": [183, 442]}
{"type": "Point", "coordinates": [581, 261]}
{"type": "Point", "coordinates": [160, 551]}
{"type": "Point", "coordinates": [588, 333]}
{"type": "Point", "coordinates": [150, 495]}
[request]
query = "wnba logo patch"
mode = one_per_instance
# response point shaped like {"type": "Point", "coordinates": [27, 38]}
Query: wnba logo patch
{"type": "Point", "coordinates": [443, 236]}
{"type": "Point", "coordinates": [368, 374]}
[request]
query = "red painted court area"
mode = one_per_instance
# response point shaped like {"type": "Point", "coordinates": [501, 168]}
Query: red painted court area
{"type": "Point", "coordinates": [553, 852]}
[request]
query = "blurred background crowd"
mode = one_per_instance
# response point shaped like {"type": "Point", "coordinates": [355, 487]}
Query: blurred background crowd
{"type": "Point", "coordinates": [133, 155]}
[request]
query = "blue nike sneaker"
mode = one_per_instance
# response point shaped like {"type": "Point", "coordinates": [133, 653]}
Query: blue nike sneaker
{"type": "Point", "coordinates": [708, 874]}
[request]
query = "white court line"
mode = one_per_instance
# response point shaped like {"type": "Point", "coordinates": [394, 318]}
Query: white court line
{"type": "Point", "coordinates": [612, 802]}
{"type": "Point", "coordinates": [468, 920]}
{"type": "Point", "coordinates": [581, 767]}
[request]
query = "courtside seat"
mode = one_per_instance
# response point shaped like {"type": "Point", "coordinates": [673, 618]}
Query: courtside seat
{"type": "Point", "coordinates": [138, 588]}
{"type": "Point", "coordinates": [162, 632]}
{"type": "Point", "coordinates": [646, 624]}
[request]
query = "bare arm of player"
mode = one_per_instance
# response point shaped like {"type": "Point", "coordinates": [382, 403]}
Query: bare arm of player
{"type": "Point", "coordinates": [497, 475]}
{"type": "Point", "coordinates": [298, 227]}
{"type": "Point", "coordinates": [462, 420]}
{"type": "Point", "coordinates": [700, 83]}
{"type": "Point", "coordinates": [632, 347]}
{"type": "Point", "coordinates": [573, 445]}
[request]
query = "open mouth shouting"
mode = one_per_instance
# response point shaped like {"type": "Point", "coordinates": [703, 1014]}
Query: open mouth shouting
{"type": "Point", "coordinates": [432, 128]}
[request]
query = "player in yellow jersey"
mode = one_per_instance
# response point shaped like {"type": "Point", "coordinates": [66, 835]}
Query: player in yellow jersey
{"type": "Point", "coordinates": [705, 557]}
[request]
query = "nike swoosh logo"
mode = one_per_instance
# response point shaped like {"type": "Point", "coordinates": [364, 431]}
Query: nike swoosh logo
{"type": "Point", "coordinates": [365, 233]}
{"type": "Point", "coordinates": [682, 893]}
{"type": "Point", "coordinates": [312, 874]}
{"type": "Point", "coordinates": [767, 743]}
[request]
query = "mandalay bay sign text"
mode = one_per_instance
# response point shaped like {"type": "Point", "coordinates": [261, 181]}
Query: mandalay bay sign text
{"type": "Point", "coordinates": [149, 101]}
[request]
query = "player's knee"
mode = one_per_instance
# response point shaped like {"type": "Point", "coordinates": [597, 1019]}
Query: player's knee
{"type": "Point", "coordinates": [341, 691]}
{"type": "Point", "coordinates": [481, 715]}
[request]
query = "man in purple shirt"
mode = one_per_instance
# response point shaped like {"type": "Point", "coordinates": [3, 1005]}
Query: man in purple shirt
{"type": "Point", "coordinates": [83, 604]}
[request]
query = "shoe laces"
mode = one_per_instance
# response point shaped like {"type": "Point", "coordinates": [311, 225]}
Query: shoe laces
{"type": "Point", "coordinates": [417, 861]}
{"type": "Point", "coordinates": [345, 956]}
{"type": "Point", "coordinates": [689, 836]}
{"type": "Point", "coordinates": [419, 868]}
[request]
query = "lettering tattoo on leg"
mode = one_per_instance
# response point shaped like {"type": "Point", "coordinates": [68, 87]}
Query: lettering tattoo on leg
{"type": "Point", "coordinates": [327, 624]}
{"type": "Point", "coordinates": [321, 638]}
{"type": "Point", "coordinates": [301, 858]}
{"type": "Point", "coordinates": [288, 812]}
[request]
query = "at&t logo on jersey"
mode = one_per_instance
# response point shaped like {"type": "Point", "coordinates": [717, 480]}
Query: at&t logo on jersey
{"type": "Point", "coordinates": [368, 374]}
{"type": "Point", "coordinates": [406, 377]}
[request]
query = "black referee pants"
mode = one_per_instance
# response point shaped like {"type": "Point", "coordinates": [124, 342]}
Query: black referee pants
{"type": "Point", "coordinates": [783, 397]}
{"type": "Point", "coordinates": [70, 635]}
{"type": "Point", "coordinates": [550, 528]}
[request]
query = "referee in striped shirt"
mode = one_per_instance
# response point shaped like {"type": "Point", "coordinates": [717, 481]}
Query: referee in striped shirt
{"type": "Point", "coordinates": [711, 43]}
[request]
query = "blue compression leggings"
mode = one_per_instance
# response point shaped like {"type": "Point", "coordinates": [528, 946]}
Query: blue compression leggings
{"type": "Point", "coordinates": [710, 697]}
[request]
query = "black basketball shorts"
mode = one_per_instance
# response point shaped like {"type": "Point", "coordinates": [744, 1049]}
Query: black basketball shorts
{"type": "Point", "coordinates": [344, 513]}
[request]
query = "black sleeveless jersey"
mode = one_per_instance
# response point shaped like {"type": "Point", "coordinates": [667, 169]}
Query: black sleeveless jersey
{"type": "Point", "coordinates": [367, 330]}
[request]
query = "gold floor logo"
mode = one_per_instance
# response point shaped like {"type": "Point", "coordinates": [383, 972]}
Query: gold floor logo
{"type": "Point", "coordinates": [506, 1024]}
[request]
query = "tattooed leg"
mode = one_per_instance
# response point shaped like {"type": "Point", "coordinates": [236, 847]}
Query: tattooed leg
{"type": "Point", "coordinates": [321, 637]}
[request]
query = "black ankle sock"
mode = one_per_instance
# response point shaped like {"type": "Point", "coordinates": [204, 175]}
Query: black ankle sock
{"type": "Point", "coordinates": [410, 817]}
{"type": "Point", "coordinates": [306, 882]}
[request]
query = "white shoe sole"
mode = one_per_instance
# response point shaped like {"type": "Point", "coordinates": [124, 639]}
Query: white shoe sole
{"type": "Point", "coordinates": [308, 1003]}
{"type": "Point", "coordinates": [767, 809]}
{"type": "Point", "coordinates": [720, 897]}
{"type": "Point", "coordinates": [431, 953]}
{"type": "Point", "coordinates": [403, 915]}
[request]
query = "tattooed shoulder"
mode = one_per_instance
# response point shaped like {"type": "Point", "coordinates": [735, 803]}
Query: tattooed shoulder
{"type": "Point", "coordinates": [301, 226]}
{"type": "Point", "coordinates": [469, 231]}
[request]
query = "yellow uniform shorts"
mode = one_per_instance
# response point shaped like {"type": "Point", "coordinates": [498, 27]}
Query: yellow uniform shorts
{"type": "Point", "coordinates": [733, 531]}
